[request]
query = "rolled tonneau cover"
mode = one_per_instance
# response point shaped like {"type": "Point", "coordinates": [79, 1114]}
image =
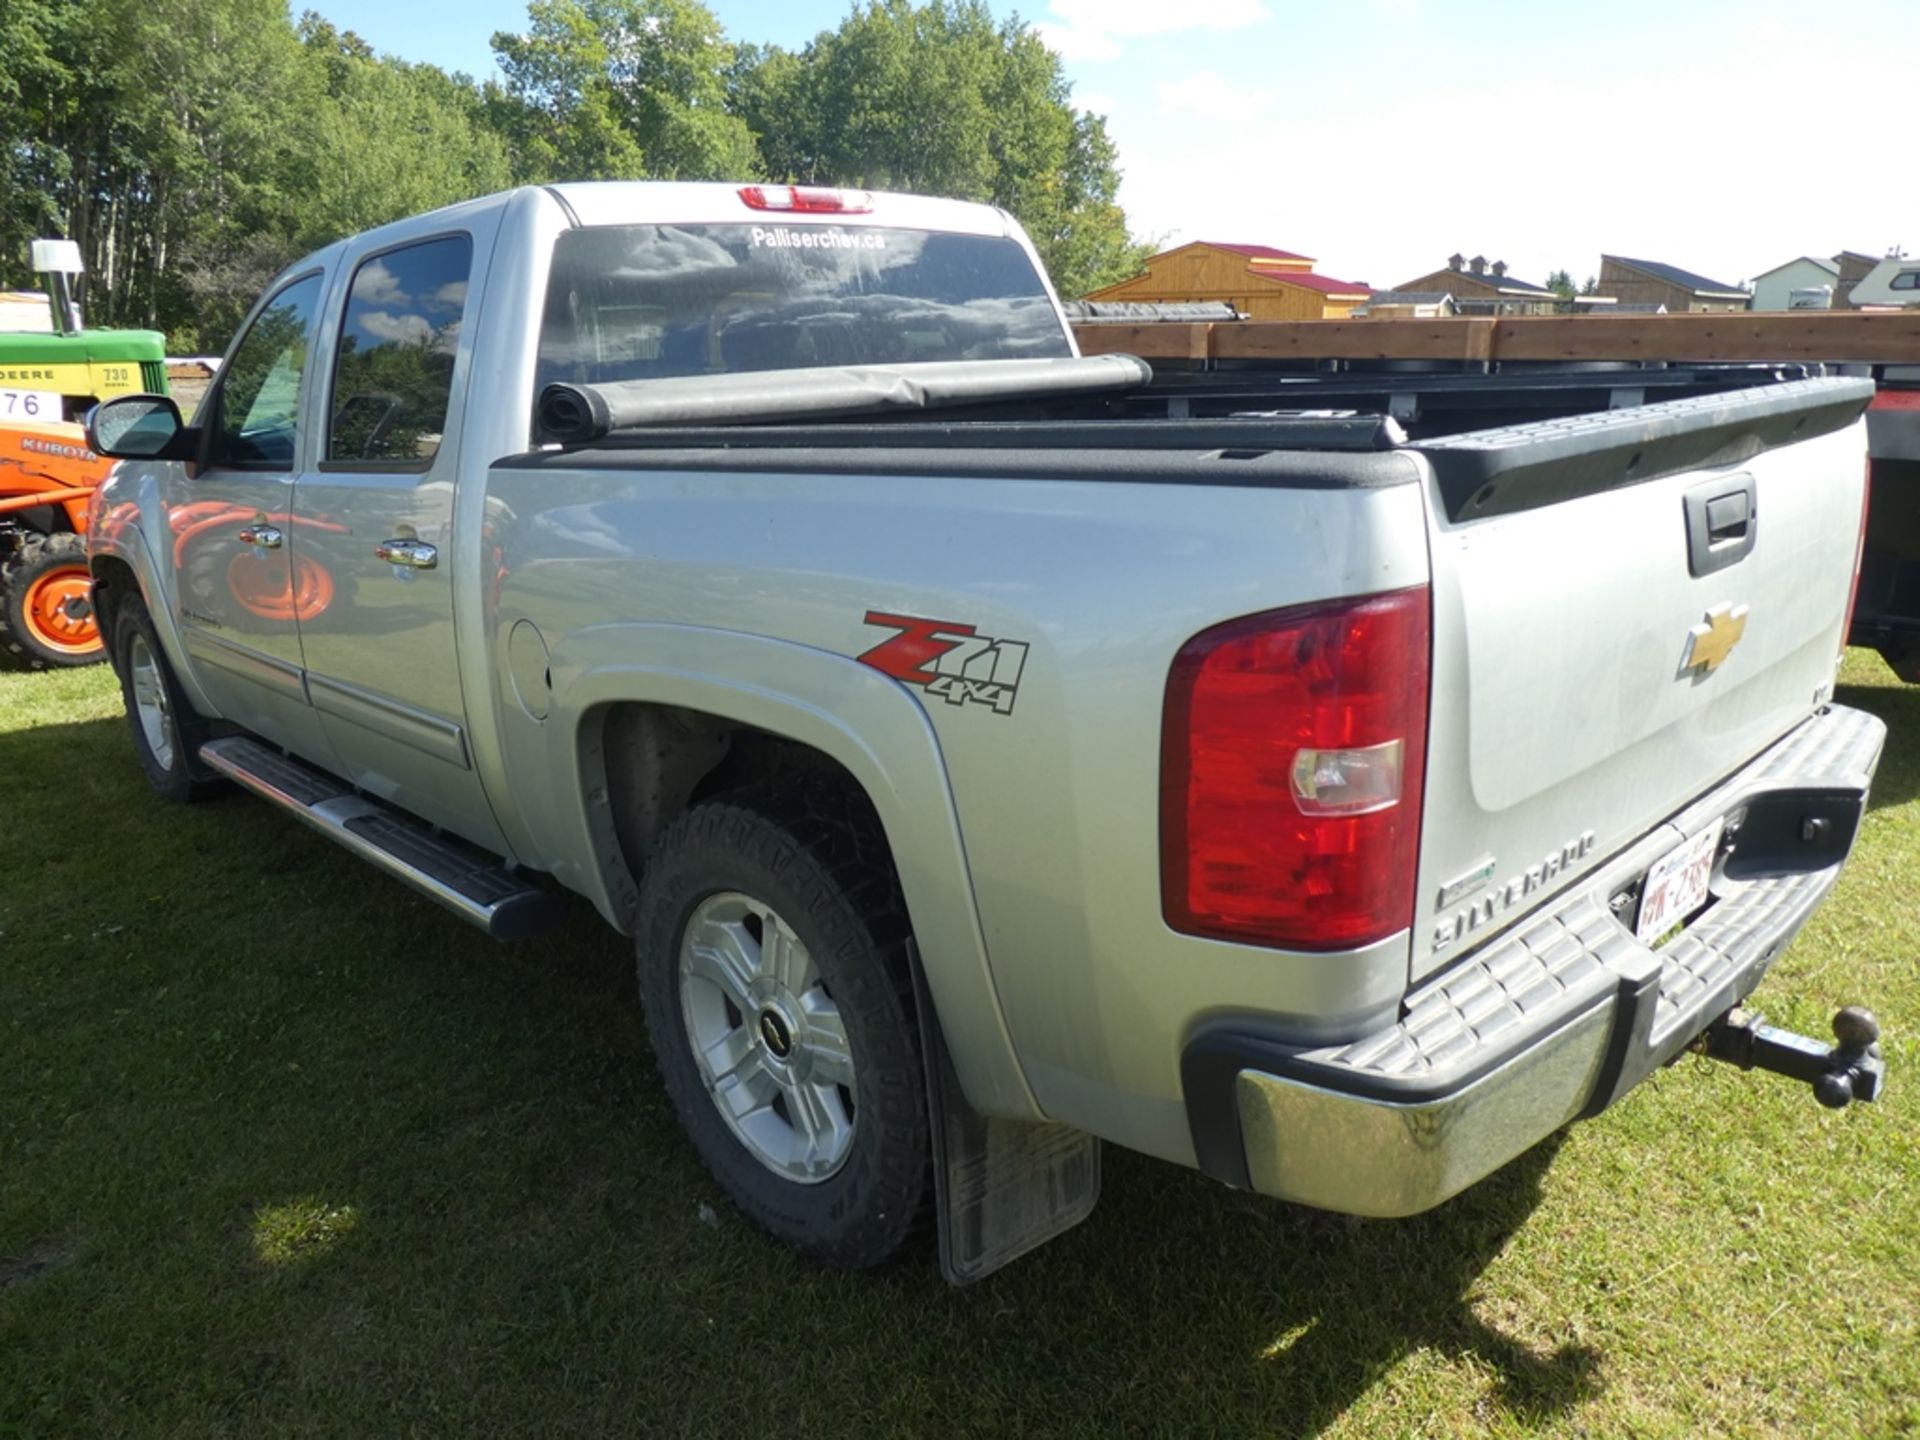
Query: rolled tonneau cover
{"type": "Point", "coordinates": [575, 413]}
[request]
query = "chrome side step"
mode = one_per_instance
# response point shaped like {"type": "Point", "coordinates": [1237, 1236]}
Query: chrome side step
{"type": "Point", "coordinates": [477, 890]}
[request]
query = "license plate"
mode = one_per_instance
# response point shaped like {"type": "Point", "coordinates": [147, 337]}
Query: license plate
{"type": "Point", "coordinates": [1677, 885]}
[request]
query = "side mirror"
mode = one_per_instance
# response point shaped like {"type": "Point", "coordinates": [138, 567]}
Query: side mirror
{"type": "Point", "coordinates": [140, 427]}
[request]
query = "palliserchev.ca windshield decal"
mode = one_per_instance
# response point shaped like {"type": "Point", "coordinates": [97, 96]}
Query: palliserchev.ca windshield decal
{"type": "Point", "coordinates": [817, 237]}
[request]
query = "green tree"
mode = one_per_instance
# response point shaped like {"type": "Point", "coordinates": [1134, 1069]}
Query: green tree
{"type": "Point", "coordinates": [620, 89]}
{"type": "Point", "coordinates": [142, 127]}
{"type": "Point", "coordinates": [194, 147]}
{"type": "Point", "coordinates": [772, 91]}
{"type": "Point", "coordinates": [1561, 284]}
{"type": "Point", "coordinates": [356, 140]}
{"type": "Point", "coordinates": [387, 139]}
{"type": "Point", "coordinates": [38, 95]}
{"type": "Point", "coordinates": [939, 98]}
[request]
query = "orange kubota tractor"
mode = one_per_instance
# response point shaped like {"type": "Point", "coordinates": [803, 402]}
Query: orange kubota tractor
{"type": "Point", "coordinates": [47, 480]}
{"type": "Point", "coordinates": [48, 381]}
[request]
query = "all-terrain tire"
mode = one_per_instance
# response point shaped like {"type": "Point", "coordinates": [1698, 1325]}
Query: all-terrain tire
{"type": "Point", "coordinates": [813, 854]}
{"type": "Point", "coordinates": [167, 747]}
{"type": "Point", "coordinates": [41, 584]}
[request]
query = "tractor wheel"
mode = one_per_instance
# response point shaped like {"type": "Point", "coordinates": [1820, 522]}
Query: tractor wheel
{"type": "Point", "coordinates": [46, 604]}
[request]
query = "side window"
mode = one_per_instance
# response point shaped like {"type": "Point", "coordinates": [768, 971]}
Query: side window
{"type": "Point", "coordinates": [394, 373]}
{"type": "Point", "coordinates": [259, 422]}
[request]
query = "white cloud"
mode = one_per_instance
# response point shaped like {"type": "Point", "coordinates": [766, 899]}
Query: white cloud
{"type": "Point", "coordinates": [1209, 96]}
{"type": "Point", "coordinates": [1098, 29]}
{"type": "Point", "coordinates": [397, 329]}
{"type": "Point", "coordinates": [1552, 192]}
{"type": "Point", "coordinates": [376, 285]}
{"type": "Point", "coordinates": [450, 296]}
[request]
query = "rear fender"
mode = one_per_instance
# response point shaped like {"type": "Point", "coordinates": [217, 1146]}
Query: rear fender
{"type": "Point", "coordinates": [862, 720]}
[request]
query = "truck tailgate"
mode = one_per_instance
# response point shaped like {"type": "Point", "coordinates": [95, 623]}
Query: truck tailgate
{"type": "Point", "coordinates": [1626, 608]}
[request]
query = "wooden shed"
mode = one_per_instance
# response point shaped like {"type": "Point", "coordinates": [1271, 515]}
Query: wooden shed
{"type": "Point", "coordinates": [1260, 281]}
{"type": "Point", "coordinates": [1479, 288]}
{"type": "Point", "coordinates": [1654, 282]}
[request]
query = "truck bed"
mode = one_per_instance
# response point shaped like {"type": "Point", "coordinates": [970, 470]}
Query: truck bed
{"type": "Point", "coordinates": [1102, 535]}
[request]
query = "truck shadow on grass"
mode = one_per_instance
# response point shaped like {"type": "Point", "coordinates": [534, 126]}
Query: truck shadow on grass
{"type": "Point", "coordinates": [390, 1175]}
{"type": "Point", "coordinates": [1250, 1315]}
{"type": "Point", "coordinates": [1179, 1307]}
{"type": "Point", "coordinates": [333, 1162]}
{"type": "Point", "coordinates": [372, 1144]}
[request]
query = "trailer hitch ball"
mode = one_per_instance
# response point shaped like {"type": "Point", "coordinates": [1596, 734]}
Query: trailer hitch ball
{"type": "Point", "coordinates": [1859, 1034]}
{"type": "Point", "coordinates": [1849, 1070]}
{"type": "Point", "coordinates": [1856, 1028]}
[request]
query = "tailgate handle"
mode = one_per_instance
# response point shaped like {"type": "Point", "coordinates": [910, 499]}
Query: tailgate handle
{"type": "Point", "coordinates": [1723, 520]}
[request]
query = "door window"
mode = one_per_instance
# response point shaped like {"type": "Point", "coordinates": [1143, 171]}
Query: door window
{"type": "Point", "coordinates": [394, 374]}
{"type": "Point", "coordinates": [259, 421]}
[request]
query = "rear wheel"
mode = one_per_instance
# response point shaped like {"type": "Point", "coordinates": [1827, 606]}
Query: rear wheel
{"type": "Point", "coordinates": [46, 603]}
{"type": "Point", "coordinates": [773, 960]}
{"type": "Point", "coordinates": [167, 734]}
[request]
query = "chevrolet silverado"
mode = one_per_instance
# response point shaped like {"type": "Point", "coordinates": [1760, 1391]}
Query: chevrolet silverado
{"type": "Point", "coordinates": [989, 750]}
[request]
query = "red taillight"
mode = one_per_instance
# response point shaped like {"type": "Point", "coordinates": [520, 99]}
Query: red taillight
{"type": "Point", "coordinates": [1292, 754]}
{"type": "Point", "coordinates": [806, 199]}
{"type": "Point", "coordinates": [1859, 556]}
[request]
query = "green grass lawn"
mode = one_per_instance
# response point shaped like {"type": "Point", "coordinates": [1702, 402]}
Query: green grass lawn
{"type": "Point", "coordinates": [287, 1151]}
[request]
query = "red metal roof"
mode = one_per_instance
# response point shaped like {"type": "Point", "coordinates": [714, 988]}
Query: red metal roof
{"type": "Point", "coordinates": [1325, 284]}
{"type": "Point", "coordinates": [1257, 252]}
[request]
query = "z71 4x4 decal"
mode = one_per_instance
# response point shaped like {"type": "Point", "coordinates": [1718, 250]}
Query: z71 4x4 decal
{"type": "Point", "coordinates": [948, 659]}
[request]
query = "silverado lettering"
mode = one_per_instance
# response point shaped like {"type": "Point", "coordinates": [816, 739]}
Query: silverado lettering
{"type": "Point", "coordinates": [1485, 910]}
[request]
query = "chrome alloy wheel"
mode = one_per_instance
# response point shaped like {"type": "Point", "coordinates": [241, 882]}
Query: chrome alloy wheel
{"type": "Point", "coordinates": [150, 701]}
{"type": "Point", "coordinates": [767, 1038]}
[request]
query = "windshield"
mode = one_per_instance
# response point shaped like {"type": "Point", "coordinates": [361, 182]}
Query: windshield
{"type": "Point", "coordinates": [644, 302]}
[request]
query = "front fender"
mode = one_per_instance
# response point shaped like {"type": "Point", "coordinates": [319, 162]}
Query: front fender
{"type": "Point", "coordinates": [127, 514]}
{"type": "Point", "coordinates": [867, 723]}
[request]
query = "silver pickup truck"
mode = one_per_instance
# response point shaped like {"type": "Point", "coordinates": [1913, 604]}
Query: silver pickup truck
{"type": "Point", "coordinates": [989, 749]}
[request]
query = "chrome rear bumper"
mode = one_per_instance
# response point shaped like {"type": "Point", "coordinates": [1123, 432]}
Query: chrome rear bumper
{"type": "Point", "coordinates": [1551, 1020]}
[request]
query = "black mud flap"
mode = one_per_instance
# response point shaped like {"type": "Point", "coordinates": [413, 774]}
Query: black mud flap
{"type": "Point", "coordinates": [1001, 1187]}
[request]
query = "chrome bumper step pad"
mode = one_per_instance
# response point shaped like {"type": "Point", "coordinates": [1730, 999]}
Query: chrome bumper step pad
{"type": "Point", "coordinates": [1464, 1020]}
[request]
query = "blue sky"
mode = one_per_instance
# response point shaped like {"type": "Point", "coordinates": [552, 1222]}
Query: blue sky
{"type": "Point", "coordinates": [1382, 135]}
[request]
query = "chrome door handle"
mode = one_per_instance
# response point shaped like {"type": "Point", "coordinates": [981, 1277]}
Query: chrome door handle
{"type": "Point", "coordinates": [262, 537]}
{"type": "Point", "coordinates": [417, 553]}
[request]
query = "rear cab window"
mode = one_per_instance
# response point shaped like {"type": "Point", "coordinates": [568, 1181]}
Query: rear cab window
{"type": "Point", "coordinates": [393, 373]}
{"type": "Point", "coordinates": [645, 302]}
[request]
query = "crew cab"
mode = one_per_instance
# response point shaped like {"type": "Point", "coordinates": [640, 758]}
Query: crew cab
{"type": "Point", "coordinates": [990, 750]}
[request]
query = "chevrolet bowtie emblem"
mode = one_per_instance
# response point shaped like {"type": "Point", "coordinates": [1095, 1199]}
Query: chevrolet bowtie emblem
{"type": "Point", "coordinates": [1711, 642]}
